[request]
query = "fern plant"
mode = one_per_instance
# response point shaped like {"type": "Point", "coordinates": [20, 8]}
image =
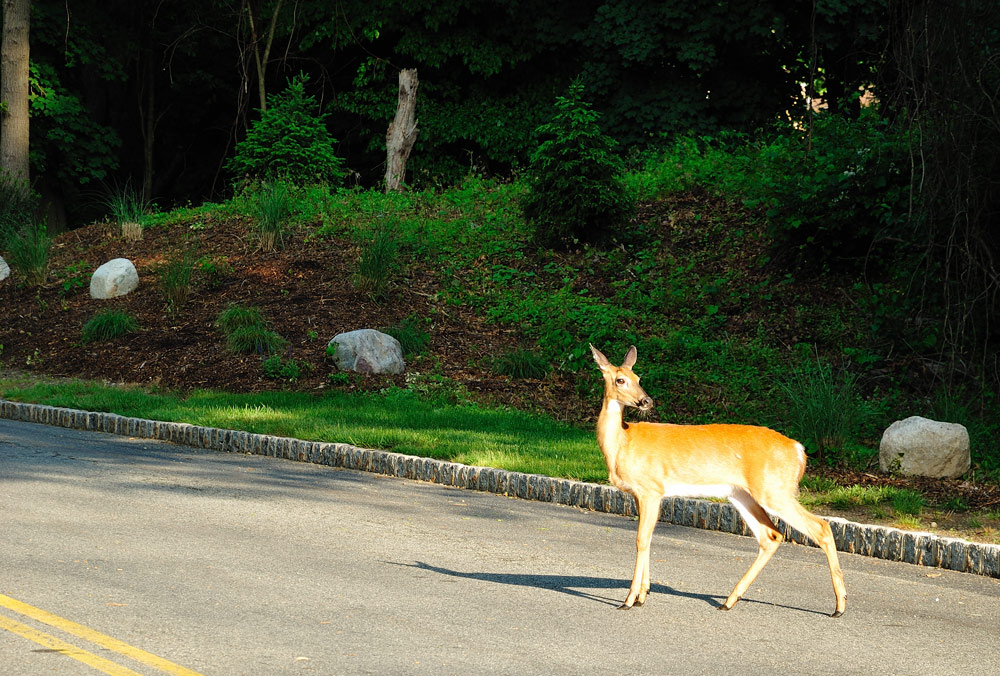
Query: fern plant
{"type": "Point", "coordinates": [576, 192]}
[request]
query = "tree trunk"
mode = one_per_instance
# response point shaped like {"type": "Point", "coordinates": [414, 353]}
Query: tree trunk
{"type": "Point", "coordinates": [261, 61]}
{"type": "Point", "coordinates": [14, 90]}
{"type": "Point", "coordinates": [402, 132]}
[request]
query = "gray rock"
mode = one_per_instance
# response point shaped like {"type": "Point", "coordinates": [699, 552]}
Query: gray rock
{"type": "Point", "coordinates": [115, 278]}
{"type": "Point", "coordinates": [4, 269]}
{"type": "Point", "coordinates": [922, 447]}
{"type": "Point", "coordinates": [368, 351]}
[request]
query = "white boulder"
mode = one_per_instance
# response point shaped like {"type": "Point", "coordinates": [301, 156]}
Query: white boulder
{"type": "Point", "coordinates": [115, 278]}
{"type": "Point", "coordinates": [368, 351]}
{"type": "Point", "coordinates": [922, 447]}
{"type": "Point", "coordinates": [4, 269]}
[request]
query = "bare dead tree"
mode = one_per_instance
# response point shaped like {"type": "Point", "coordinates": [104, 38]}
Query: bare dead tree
{"type": "Point", "coordinates": [402, 132]}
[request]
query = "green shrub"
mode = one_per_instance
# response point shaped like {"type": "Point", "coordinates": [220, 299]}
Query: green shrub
{"type": "Point", "coordinates": [28, 252]}
{"type": "Point", "coordinates": [271, 207]}
{"type": "Point", "coordinates": [521, 363]}
{"type": "Point", "coordinates": [576, 191]}
{"type": "Point", "coordinates": [255, 339]}
{"type": "Point", "coordinates": [290, 140]}
{"type": "Point", "coordinates": [377, 261]}
{"type": "Point", "coordinates": [109, 324]}
{"type": "Point", "coordinates": [410, 333]}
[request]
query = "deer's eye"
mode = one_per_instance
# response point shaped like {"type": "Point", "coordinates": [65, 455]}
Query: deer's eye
{"type": "Point", "coordinates": [619, 381]}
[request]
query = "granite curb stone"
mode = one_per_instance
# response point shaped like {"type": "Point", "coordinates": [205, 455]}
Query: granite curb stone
{"type": "Point", "coordinates": [893, 544]}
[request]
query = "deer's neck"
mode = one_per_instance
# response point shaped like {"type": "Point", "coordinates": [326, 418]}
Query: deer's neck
{"type": "Point", "coordinates": [611, 434]}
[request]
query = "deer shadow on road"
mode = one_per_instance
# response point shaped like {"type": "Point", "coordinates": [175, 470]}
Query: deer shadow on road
{"type": "Point", "coordinates": [586, 587]}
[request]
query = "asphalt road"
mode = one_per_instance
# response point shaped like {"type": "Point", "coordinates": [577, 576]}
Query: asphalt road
{"type": "Point", "coordinates": [188, 561]}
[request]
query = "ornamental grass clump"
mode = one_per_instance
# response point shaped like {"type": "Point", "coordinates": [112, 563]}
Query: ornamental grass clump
{"type": "Point", "coordinates": [108, 325]}
{"type": "Point", "coordinates": [248, 332]}
{"type": "Point", "coordinates": [128, 209]}
{"type": "Point", "coordinates": [271, 209]}
{"type": "Point", "coordinates": [28, 252]}
{"type": "Point", "coordinates": [377, 262]}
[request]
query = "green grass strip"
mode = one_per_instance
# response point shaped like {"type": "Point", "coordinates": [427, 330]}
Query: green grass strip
{"type": "Point", "coordinates": [394, 420]}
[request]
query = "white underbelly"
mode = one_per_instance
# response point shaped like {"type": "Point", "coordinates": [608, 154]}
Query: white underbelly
{"type": "Point", "coordinates": [698, 490]}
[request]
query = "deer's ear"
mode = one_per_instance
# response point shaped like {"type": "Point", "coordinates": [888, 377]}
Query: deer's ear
{"type": "Point", "coordinates": [630, 357]}
{"type": "Point", "coordinates": [601, 360]}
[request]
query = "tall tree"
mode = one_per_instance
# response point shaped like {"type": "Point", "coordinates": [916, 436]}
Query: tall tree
{"type": "Point", "coordinates": [14, 89]}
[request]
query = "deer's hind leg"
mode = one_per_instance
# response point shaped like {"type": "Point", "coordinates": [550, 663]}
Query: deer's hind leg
{"type": "Point", "coordinates": [818, 530]}
{"type": "Point", "coordinates": [767, 536]}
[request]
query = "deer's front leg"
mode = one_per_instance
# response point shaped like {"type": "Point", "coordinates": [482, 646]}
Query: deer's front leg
{"type": "Point", "coordinates": [649, 512]}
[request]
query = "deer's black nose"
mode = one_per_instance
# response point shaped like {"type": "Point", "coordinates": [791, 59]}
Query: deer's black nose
{"type": "Point", "coordinates": [645, 403]}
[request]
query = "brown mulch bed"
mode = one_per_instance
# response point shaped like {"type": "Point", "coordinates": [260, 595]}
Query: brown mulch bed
{"type": "Point", "coordinates": [304, 289]}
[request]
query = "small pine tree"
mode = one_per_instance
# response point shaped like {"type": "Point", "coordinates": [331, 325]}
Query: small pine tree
{"type": "Point", "coordinates": [575, 179]}
{"type": "Point", "coordinates": [290, 140]}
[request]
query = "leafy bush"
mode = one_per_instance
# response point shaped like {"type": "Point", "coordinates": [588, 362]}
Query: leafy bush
{"type": "Point", "coordinates": [576, 191]}
{"type": "Point", "coordinates": [28, 253]}
{"type": "Point", "coordinates": [271, 206]}
{"type": "Point", "coordinates": [521, 363]}
{"type": "Point", "coordinates": [290, 140]}
{"type": "Point", "coordinates": [377, 261]}
{"type": "Point", "coordinates": [411, 335]}
{"type": "Point", "coordinates": [109, 324]}
{"type": "Point", "coordinates": [277, 368]}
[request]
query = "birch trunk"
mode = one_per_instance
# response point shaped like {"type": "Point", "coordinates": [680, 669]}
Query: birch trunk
{"type": "Point", "coordinates": [402, 132]}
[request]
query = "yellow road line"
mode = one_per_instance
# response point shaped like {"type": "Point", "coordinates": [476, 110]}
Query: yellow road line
{"type": "Point", "coordinates": [67, 649]}
{"type": "Point", "coordinates": [95, 637]}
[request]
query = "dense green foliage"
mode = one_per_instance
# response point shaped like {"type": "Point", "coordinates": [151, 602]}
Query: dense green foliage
{"type": "Point", "coordinates": [161, 92]}
{"type": "Point", "coordinates": [575, 190]}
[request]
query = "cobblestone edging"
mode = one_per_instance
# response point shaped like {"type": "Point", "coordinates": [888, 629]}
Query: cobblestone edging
{"type": "Point", "coordinates": [924, 549]}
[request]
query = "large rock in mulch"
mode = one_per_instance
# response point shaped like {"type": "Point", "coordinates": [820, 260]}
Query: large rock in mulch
{"type": "Point", "coordinates": [4, 269]}
{"type": "Point", "coordinates": [115, 278]}
{"type": "Point", "coordinates": [368, 351]}
{"type": "Point", "coordinates": [921, 447]}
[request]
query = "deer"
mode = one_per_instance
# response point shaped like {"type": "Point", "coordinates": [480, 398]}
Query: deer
{"type": "Point", "coordinates": [758, 469]}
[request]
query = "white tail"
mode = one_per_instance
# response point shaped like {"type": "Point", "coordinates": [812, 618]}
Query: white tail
{"type": "Point", "coordinates": [755, 467]}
